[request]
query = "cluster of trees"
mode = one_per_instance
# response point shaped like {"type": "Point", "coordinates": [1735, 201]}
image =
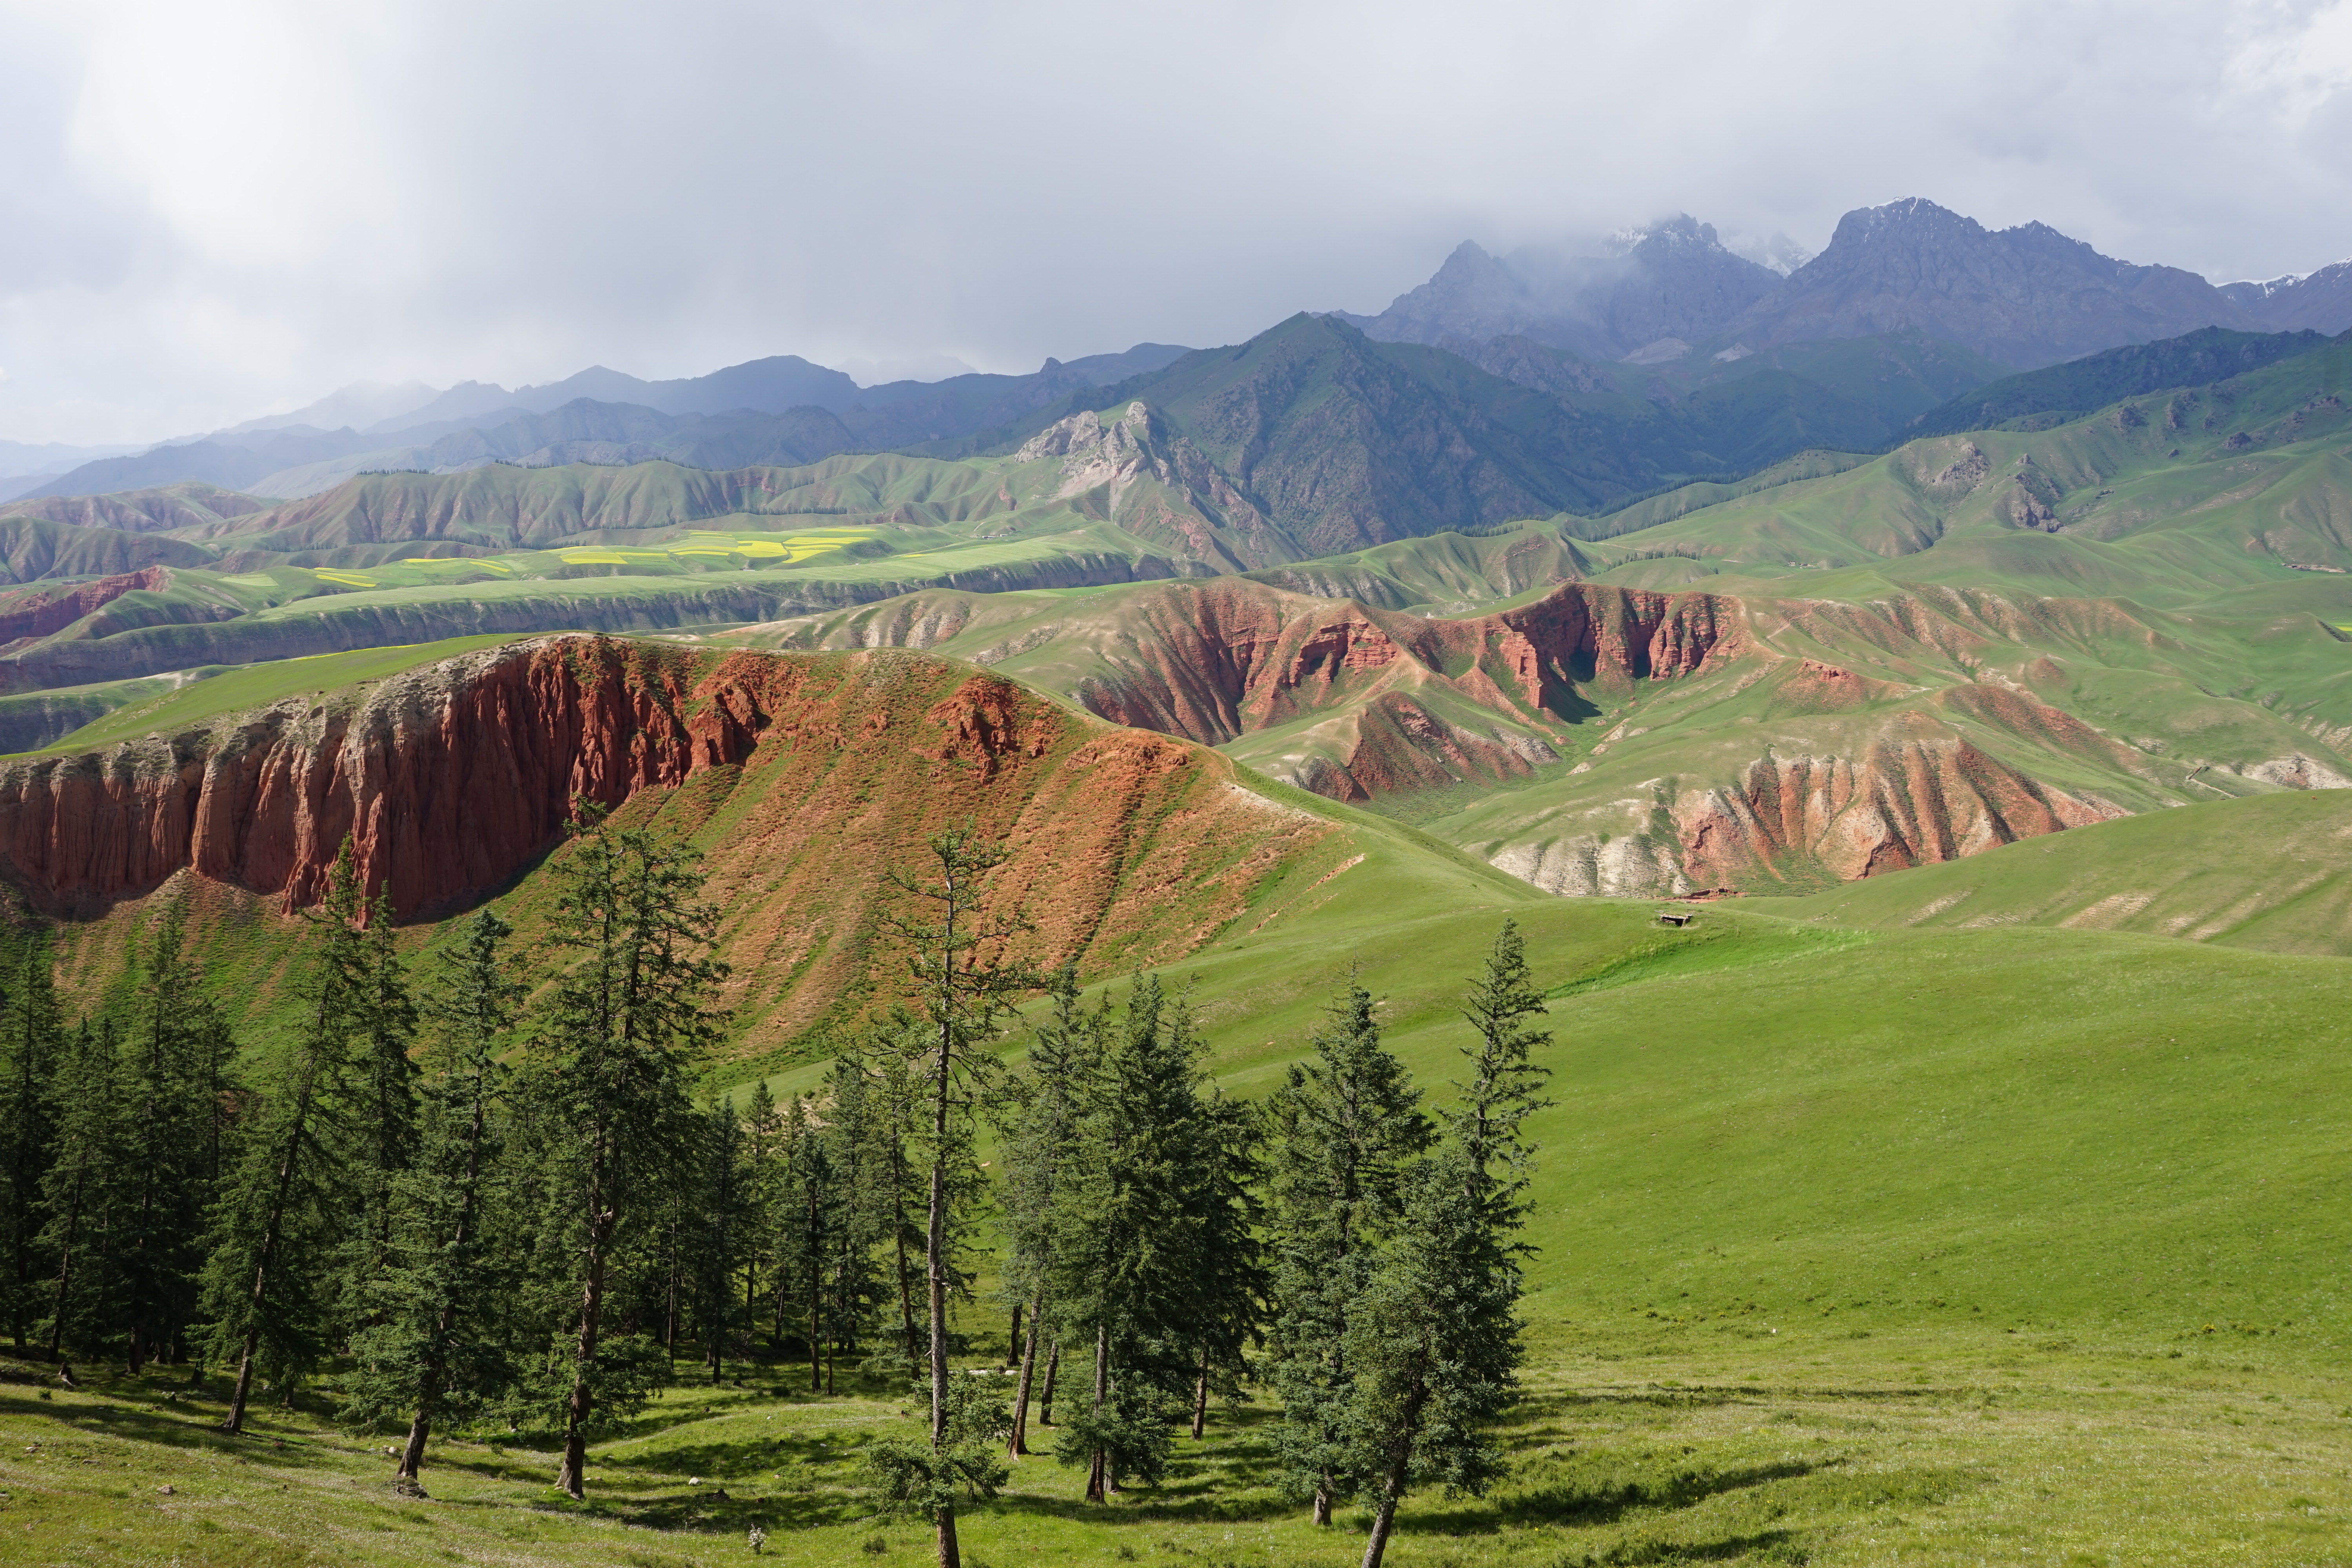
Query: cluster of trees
{"type": "Point", "coordinates": [455, 1197]}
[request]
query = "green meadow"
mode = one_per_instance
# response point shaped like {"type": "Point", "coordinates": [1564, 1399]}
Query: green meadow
{"type": "Point", "coordinates": [1855, 1245]}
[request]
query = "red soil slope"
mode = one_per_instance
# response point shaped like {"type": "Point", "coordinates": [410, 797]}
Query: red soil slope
{"type": "Point", "coordinates": [806, 778]}
{"type": "Point", "coordinates": [39, 612]}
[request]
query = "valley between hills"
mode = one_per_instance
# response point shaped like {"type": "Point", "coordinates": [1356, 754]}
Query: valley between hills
{"type": "Point", "coordinates": [1958, 1181]}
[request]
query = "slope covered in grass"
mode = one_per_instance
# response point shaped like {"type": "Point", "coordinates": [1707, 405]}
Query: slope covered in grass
{"type": "Point", "coordinates": [2272, 872]}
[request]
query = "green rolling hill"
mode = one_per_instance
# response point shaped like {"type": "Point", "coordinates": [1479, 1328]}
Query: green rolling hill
{"type": "Point", "coordinates": [1851, 1232]}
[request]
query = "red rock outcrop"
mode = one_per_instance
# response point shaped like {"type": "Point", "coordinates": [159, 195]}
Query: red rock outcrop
{"type": "Point", "coordinates": [454, 779]}
{"type": "Point", "coordinates": [40, 612]}
{"type": "Point", "coordinates": [1907, 800]}
{"type": "Point", "coordinates": [1213, 661]}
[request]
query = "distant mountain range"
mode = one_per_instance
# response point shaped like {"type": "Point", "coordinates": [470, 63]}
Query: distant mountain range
{"type": "Point", "coordinates": [1665, 356]}
{"type": "Point", "coordinates": [2025, 297]}
{"type": "Point", "coordinates": [713, 420]}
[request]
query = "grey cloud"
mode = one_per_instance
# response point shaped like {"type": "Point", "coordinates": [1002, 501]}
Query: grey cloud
{"type": "Point", "coordinates": [243, 207]}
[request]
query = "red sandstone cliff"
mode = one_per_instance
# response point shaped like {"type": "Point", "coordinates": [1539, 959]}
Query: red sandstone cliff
{"type": "Point", "coordinates": [453, 779]}
{"type": "Point", "coordinates": [1213, 661]}
{"type": "Point", "coordinates": [39, 612]}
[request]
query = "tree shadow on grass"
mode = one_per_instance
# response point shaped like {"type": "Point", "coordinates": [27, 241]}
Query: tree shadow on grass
{"type": "Point", "coordinates": [1765, 1546]}
{"type": "Point", "coordinates": [185, 1429]}
{"type": "Point", "coordinates": [1603, 1503]}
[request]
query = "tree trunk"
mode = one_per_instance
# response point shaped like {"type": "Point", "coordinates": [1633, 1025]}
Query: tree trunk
{"type": "Point", "coordinates": [816, 1342]}
{"type": "Point", "coordinates": [1322, 1514]}
{"type": "Point", "coordinates": [236, 1419]}
{"type": "Point", "coordinates": [1012, 1344]}
{"type": "Point", "coordinates": [906, 1293]}
{"type": "Point", "coordinates": [572, 1474]}
{"type": "Point", "coordinates": [1045, 1399]}
{"type": "Point", "coordinates": [1201, 1393]}
{"type": "Point", "coordinates": [935, 1258]}
{"type": "Point", "coordinates": [412, 1457]}
{"type": "Point", "coordinates": [1382, 1518]}
{"type": "Point", "coordinates": [1019, 1443]}
{"type": "Point", "coordinates": [1097, 1469]}
{"type": "Point", "coordinates": [429, 1391]}
{"type": "Point", "coordinates": [65, 1265]}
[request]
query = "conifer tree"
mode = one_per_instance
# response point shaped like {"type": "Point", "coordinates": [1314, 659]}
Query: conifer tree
{"type": "Point", "coordinates": [1434, 1348]}
{"type": "Point", "coordinates": [720, 1229]}
{"type": "Point", "coordinates": [1129, 1256]}
{"type": "Point", "coordinates": [808, 1263]}
{"type": "Point", "coordinates": [961, 984]}
{"type": "Point", "coordinates": [31, 1042]}
{"type": "Point", "coordinates": [612, 1055]}
{"type": "Point", "coordinates": [763, 1129]}
{"type": "Point", "coordinates": [439, 1348]}
{"type": "Point", "coordinates": [1233, 1284]}
{"type": "Point", "coordinates": [1349, 1126]}
{"type": "Point", "coordinates": [1042, 1145]}
{"type": "Point", "coordinates": [384, 1113]}
{"type": "Point", "coordinates": [1505, 1083]}
{"type": "Point", "coordinates": [79, 1189]}
{"type": "Point", "coordinates": [168, 1151]}
{"type": "Point", "coordinates": [1432, 1342]}
{"type": "Point", "coordinates": [283, 1208]}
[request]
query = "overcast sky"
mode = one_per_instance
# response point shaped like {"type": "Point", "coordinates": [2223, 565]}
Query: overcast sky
{"type": "Point", "coordinates": [210, 211]}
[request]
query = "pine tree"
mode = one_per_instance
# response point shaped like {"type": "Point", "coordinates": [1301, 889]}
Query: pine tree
{"type": "Point", "coordinates": [1129, 1257]}
{"type": "Point", "coordinates": [384, 1115]}
{"type": "Point", "coordinates": [79, 1191]}
{"type": "Point", "coordinates": [1433, 1347]}
{"type": "Point", "coordinates": [763, 1129]}
{"type": "Point", "coordinates": [961, 987]}
{"type": "Point", "coordinates": [439, 1348]}
{"type": "Point", "coordinates": [31, 1042]}
{"type": "Point", "coordinates": [1063, 1056]}
{"type": "Point", "coordinates": [720, 1229]}
{"type": "Point", "coordinates": [1347, 1127]}
{"type": "Point", "coordinates": [169, 1153]}
{"type": "Point", "coordinates": [281, 1213]}
{"type": "Point", "coordinates": [807, 1264]}
{"type": "Point", "coordinates": [612, 1055]}
{"type": "Point", "coordinates": [1505, 1083]}
{"type": "Point", "coordinates": [1233, 1284]}
{"type": "Point", "coordinates": [1432, 1343]}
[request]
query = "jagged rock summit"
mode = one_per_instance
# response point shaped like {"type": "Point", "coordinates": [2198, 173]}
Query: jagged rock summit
{"type": "Point", "coordinates": [1672, 279]}
{"type": "Point", "coordinates": [2026, 296]}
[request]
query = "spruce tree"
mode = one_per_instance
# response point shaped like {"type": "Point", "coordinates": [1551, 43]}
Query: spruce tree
{"type": "Point", "coordinates": [439, 1348]}
{"type": "Point", "coordinates": [612, 1055]}
{"type": "Point", "coordinates": [808, 1263]}
{"type": "Point", "coordinates": [1129, 1256]}
{"type": "Point", "coordinates": [168, 1151]}
{"type": "Point", "coordinates": [80, 1190]}
{"type": "Point", "coordinates": [31, 1042]}
{"type": "Point", "coordinates": [720, 1231]}
{"type": "Point", "coordinates": [1233, 1284]}
{"type": "Point", "coordinates": [1039, 1151]}
{"type": "Point", "coordinates": [284, 1208]}
{"type": "Point", "coordinates": [763, 1150]}
{"type": "Point", "coordinates": [1349, 1125]}
{"type": "Point", "coordinates": [1432, 1343]}
{"type": "Point", "coordinates": [384, 1112]}
{"type": "Point", "coordinates": [961, 987]}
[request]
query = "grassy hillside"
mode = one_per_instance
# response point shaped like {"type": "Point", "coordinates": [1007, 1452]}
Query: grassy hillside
{"type": "Point", "coordinates": [2271, 872]}
{"type": "Point", "coordinates": [1850, 1246]}
{"type": "Point", "coordinates": [2077, 386]}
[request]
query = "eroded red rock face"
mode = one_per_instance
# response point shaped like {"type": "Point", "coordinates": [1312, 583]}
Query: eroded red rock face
{"type": "Point", "coordinates": [1217, 660]}
{"type": "Point", "coordinates": [1905, 801]}
{"type": "Point", "coordinates": [43, 611]}
{"type": "Point", "coordinates": [1129, 847]}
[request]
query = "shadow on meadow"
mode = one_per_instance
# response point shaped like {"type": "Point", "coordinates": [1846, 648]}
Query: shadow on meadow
{"type": "Point", "coordinates": [1599, 1499]}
